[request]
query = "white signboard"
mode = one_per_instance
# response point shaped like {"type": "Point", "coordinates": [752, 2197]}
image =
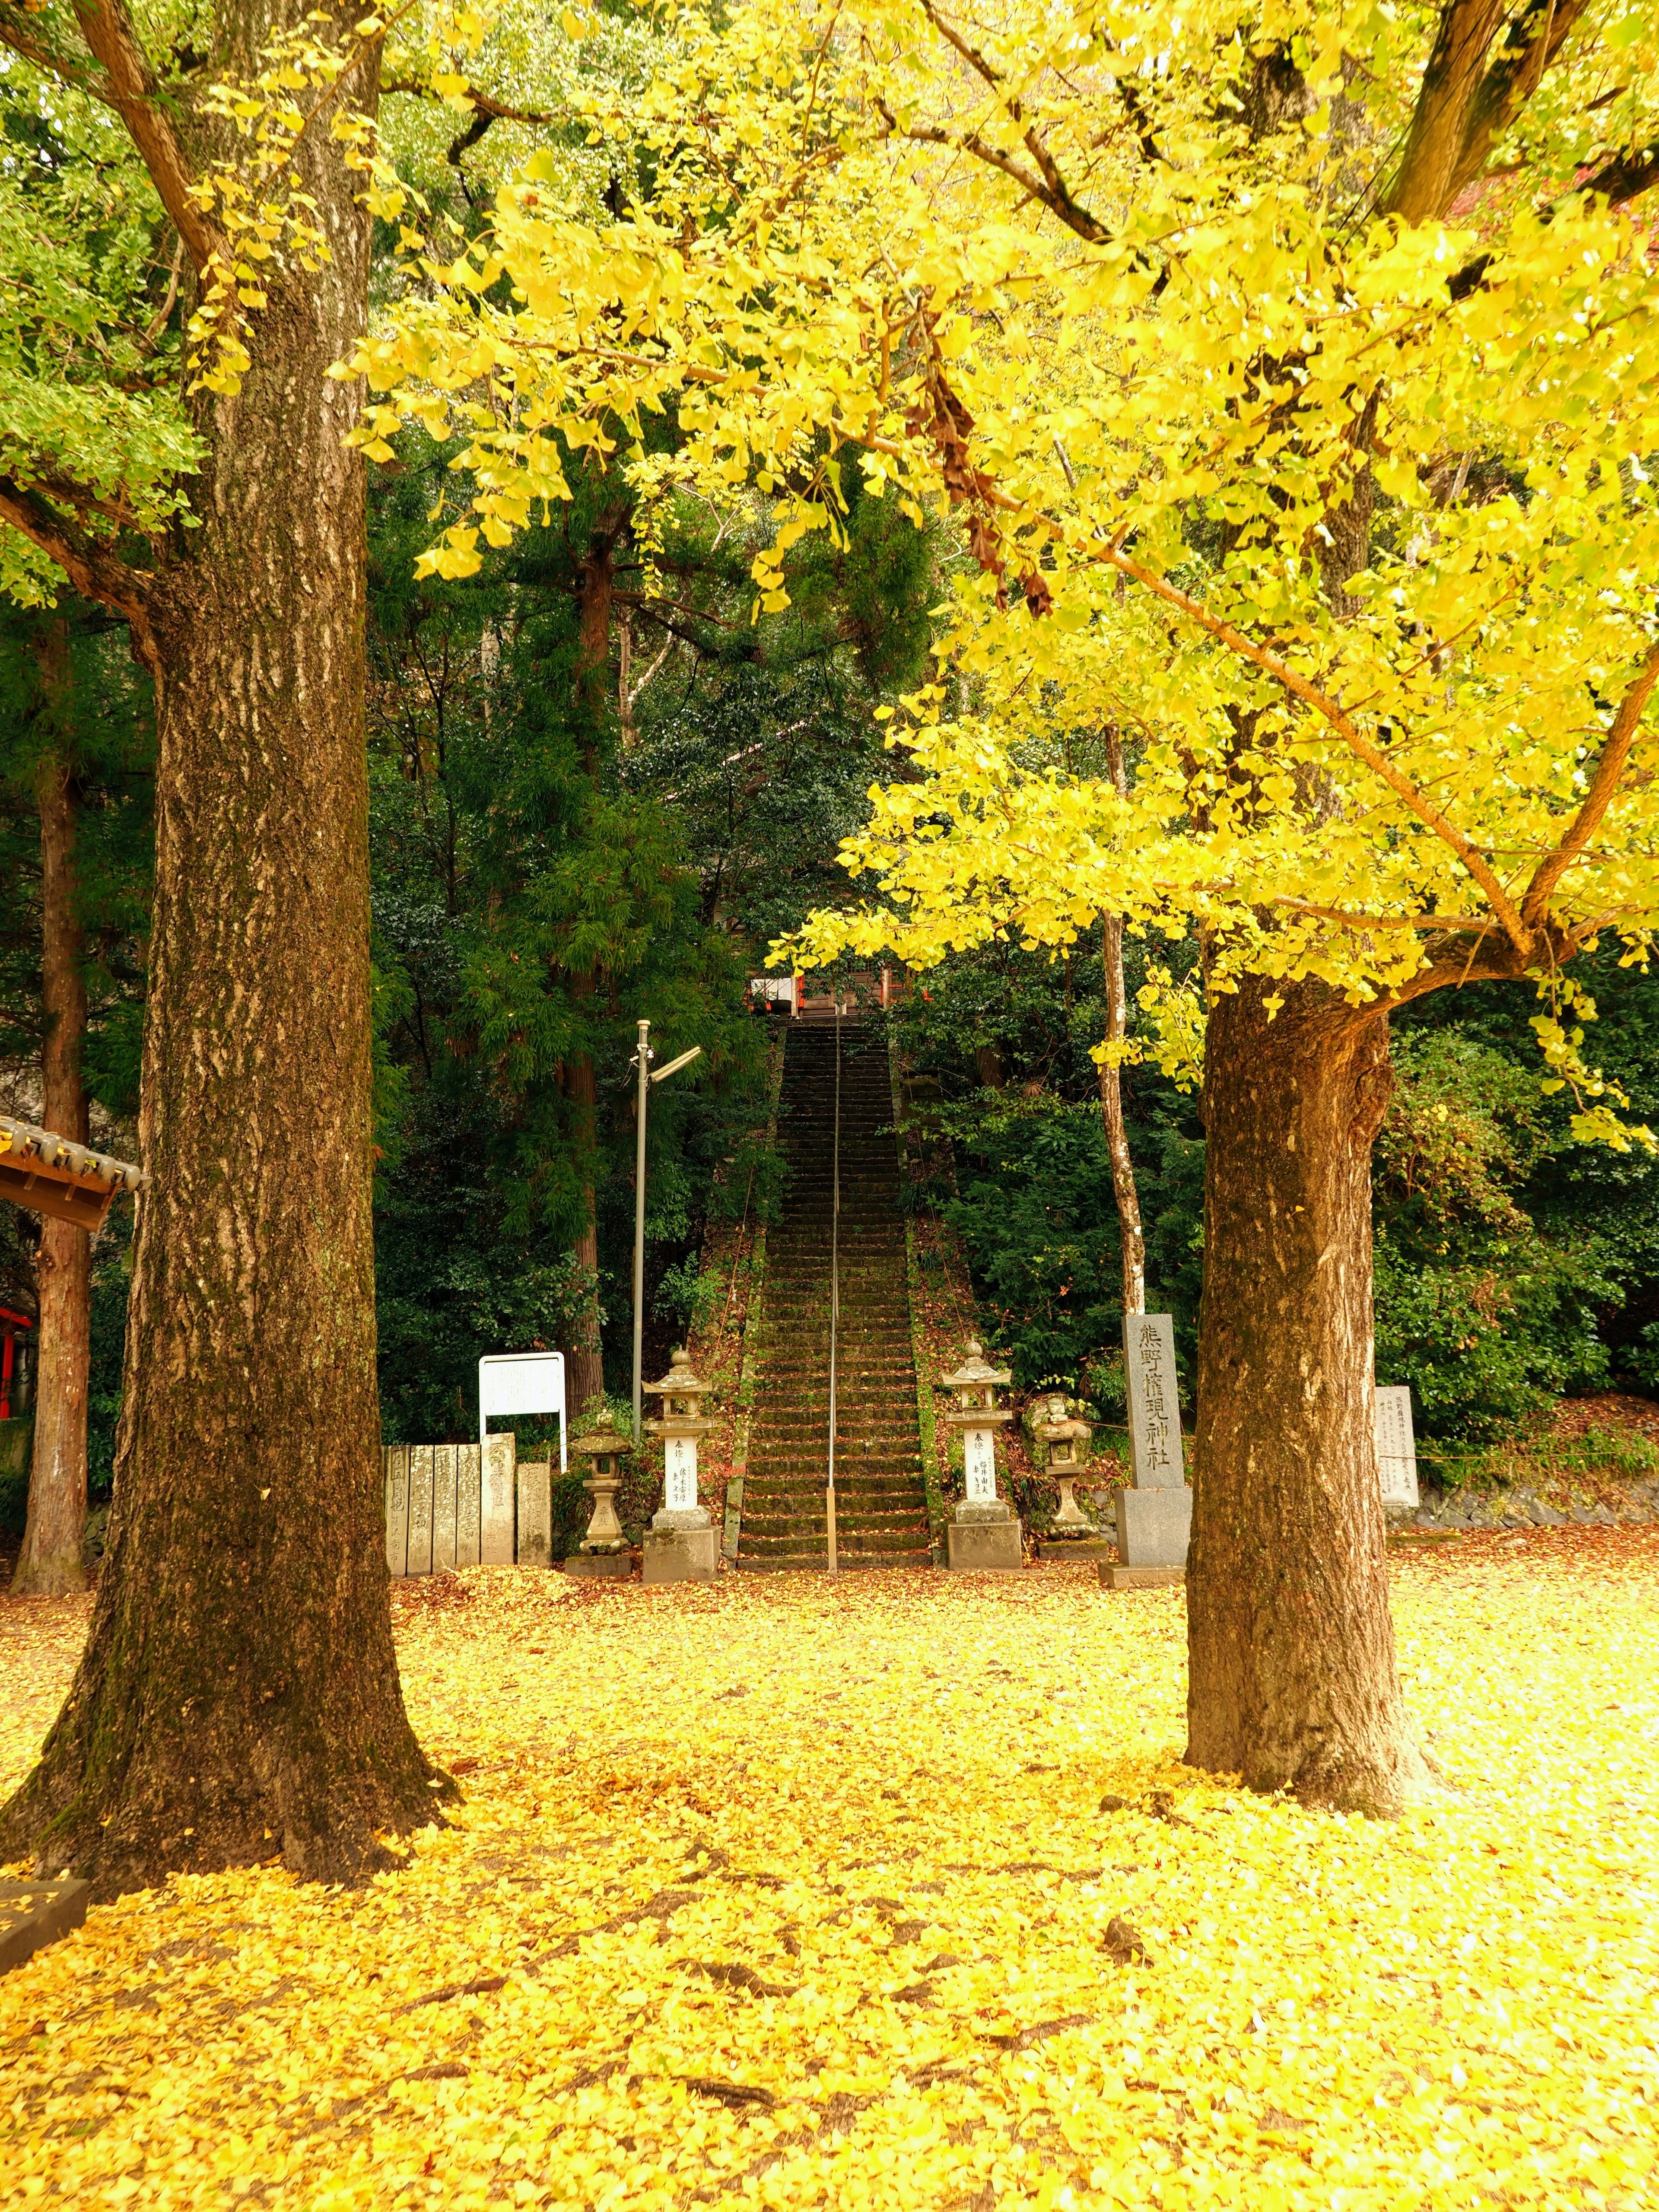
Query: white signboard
{"type": "Point", "coordinates": [979, 1464]}
{"type": "Point", "coordinates": [1396, 1447]}
{"type": "Point", "coordinates": [679, 1474]}
{"type": "Point", "coordinates": [522, 1382]}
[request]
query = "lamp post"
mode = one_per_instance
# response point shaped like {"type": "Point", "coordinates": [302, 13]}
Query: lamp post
{"type": "Point", "coordinates": [647, 1076]}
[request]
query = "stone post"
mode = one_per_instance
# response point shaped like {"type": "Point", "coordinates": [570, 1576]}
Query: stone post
{"type": "Point", "coordinates": [603, 1550]}
{"type": "Point", "coordinates": [984, 1532]}
{"type": "Point", "coordinates": [680, 1545]}
{"type": "Point", "coordinates": [1155, 1518]}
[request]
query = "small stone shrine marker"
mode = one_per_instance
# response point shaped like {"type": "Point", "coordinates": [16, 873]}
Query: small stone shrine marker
{"type": "Point", "coordinates": [1154, 1519]}
{"type": "Point", "coordinates": [1396, 1447]}
{"type": "Point", "coordinates": [680, 1544]}
{"type": "Point", "coordinates": [603, 1550]}
{"type": "Point", "coordinates": [984, 1532]}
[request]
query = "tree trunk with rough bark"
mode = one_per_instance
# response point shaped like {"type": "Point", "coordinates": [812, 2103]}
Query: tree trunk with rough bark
{"type": "Point", "coordinates": [51, 1561]}
{"type": "Point", "coordinates": [1292, 1676]}
{"type": "Point", "coordinates": [239, 1698]}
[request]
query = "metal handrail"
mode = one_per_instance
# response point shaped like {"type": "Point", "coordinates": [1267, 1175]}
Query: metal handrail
{"type": "Point", "coordinates": [835, 1295]}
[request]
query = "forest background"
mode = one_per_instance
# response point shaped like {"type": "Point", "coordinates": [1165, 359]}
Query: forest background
{"type": "Point", "coordinates": [599, 788]}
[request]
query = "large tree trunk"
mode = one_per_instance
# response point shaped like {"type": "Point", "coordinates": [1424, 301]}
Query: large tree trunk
{"type": "Point", "coordinates": [239, 1697]}
{"type": "Point", "coordinates": [1292, 1682]}
{"type": "Point", "coordinates": [50, 1561]}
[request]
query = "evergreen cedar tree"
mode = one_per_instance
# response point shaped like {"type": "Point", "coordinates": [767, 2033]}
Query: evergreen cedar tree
{"type": "Point", "coordinates": [1291, 373]}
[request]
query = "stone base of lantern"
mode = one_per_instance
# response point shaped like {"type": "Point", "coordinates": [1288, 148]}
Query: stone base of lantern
{"type": "Point", "coordinates": [681, 1546]}
{"type": "Point", "coordinates": [1076, 1550]}
{"type": "Point", "coordinates": [983, 1536]}
{"type": "Point", "coordinates": [591, 1564]}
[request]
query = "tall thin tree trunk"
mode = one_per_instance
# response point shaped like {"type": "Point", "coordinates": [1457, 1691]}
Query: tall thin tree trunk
{"type": "Point", "coordinates": [585, 1360]}
{"type": "Point", "coordinates": [50, 1561]}
{"type": "Point", "coordinates": [1131, 1234]}
{"type": "Point", "coordinates": [239, 1698]}
{"type": "Point", "coordinates": [1292, 1678]}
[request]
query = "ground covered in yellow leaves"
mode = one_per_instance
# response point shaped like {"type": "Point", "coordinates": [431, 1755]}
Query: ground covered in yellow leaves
{"type": "Point", "coordinates": [893, 1893]}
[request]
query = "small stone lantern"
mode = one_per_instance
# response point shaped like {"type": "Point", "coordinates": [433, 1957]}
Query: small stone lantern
{"type": "Point", "coordinates": [603, 1550]}
{"type": "Point", "coordinates": [1065, 1439]}
{"type": "Point", "coordinates": [680, 1543]}
{"type": "Point", "coordinates": [984, 1532]}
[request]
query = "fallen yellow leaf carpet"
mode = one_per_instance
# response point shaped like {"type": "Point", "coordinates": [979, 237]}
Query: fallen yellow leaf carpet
{"type": "Point", "coordinates": [893, 1893]}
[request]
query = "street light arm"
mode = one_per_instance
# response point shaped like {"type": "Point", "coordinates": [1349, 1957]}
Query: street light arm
{"type": "Point", "coordinates": [657, 1074]}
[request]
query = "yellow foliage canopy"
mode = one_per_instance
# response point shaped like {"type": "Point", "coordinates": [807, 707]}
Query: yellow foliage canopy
{"type": "Point", "coordinates": [1114, 284]}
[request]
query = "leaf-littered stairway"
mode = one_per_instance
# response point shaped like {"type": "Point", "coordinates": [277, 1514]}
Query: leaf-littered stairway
{"type": "Point", "coordinates": [881, 1516]}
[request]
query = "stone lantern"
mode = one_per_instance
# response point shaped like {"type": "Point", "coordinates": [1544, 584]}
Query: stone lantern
{"type": "Point", "coordinates": [984, 1532]}
{"type": "Point", "coordinates": [603, 1550]}
{"type": "Point", "coordinates": [680, 1543]}
{"type": "Point", "coordinates": [1067, 1438]}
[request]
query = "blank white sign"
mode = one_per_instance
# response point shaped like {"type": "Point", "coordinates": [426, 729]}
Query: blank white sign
{"type": "Point", "coordinates": [522, 1382]}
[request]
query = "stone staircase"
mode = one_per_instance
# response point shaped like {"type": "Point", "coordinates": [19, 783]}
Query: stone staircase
{"type": "Point", "coordinates": [881, 1517]}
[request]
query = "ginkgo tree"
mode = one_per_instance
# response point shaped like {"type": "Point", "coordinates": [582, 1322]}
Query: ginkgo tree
{"type": "Point", "coordinates": [1293, 374]}
{"type": "Point", "coordinates": [185, 255]}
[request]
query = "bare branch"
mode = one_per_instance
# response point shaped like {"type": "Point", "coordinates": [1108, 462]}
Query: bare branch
{"type": "Point", "coordinates": [95, 572]}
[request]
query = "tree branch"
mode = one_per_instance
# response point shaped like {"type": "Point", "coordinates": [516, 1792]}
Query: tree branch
{"type": "Point", "coordinates": [43, 56]}
{"type": "Point", "coordinates": [95, 572]}
{"type": "Point", "coordinates": [1053, 191]}
{"type": "Point", "coordinates": [113, 43]}
{"type": "Point", "coordinates": [1439, 126]}
{"type": "Point", "coordinates": [1530, 44]}
{"type": "Point", "coordinates": [1615, 753]}
{"type": "Point", "coordinates": [1363, 748]}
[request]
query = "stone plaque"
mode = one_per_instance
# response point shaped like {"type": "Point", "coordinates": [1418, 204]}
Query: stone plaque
{"type": "Point", "coordinates": [419, 1508]}
{"type": "Point", "coordinates": [1396, 1447]}
{"type": "Point", "coordinates": [979, 1465]}
{"type": "Point", "coordinates": [535, 1514]}
{"type": "Point", "coordinates": [496, 1546]}
{"type": "Point", "coordinates": [444, 1457]}
{"type": "Point", "coordinates": [679, 1474]}
{"type": "Point", "coordinates": [469, 1504]}
{"type": "Point", "coordinates": [395, 1460]}
{"type": "Point", "coordinates": [1149, 1366]}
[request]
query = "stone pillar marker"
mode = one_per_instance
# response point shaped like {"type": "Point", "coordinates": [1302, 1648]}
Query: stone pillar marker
{"type": "Point", "coordinates": [984, 1532]}
{"type": "Point", "coordinates": [1396, 1446]}
{"type": "Point", "coordinates": [603, 1550]}
{"type": "Point", "coordinates": [1154, 1519]}
{"type": "Point", "coordinates": [680, 1545]}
